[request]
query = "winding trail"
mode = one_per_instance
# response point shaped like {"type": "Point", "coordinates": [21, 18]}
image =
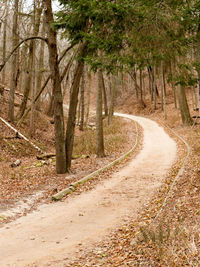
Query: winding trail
{"type": "Point", "coordinates": [57, 231]}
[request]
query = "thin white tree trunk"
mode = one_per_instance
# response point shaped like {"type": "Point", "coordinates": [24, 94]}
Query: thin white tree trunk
{"type": "Point", "coordinates": [5, 41]}
{"type": "Point", "coordinates": [112, 99]}
{"type": "Point", "coordinates": [13, 64]}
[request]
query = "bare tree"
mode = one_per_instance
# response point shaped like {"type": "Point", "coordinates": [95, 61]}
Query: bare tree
{"type": "Point", "coordinates": [40, 66]}
{"type": "Point", "coordinates": [82, 102]}
{"type": "Point", "coordinates": [88, 96]}
{"type": "Point", "coordinates": [104, 94]}
{"type": "Point", "coordinates": [58, 104]}
{"type": "Point", "coordinates": [36, 22]}
{"type": "Point", "coordinates": [183, 105]}
{"type": "Point", "coordinates": [5, 38]}
{"type": "Point", "coordinates": [14, 62]}
{"type": "Point", "coordinates": [30, 65]}
{"type": "Point", "coordinates": [69, 141]}
{"type": "Point", "coordinates": [163, 90]}
{"type": "Point", "coordinates": [112, 99]}
{"type": "Point", "coordinates": [99, 118]}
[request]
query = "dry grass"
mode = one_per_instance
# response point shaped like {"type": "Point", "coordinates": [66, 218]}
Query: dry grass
{"type": "Point", "coordinates": [175, 245]}
{"type": "Point", "coordinates": [114, 138]}
{"type": "Point", "coordinates": [173, 239]}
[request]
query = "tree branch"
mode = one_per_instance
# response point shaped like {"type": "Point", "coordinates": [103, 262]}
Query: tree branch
{"type": "Point", "coordinates": [46, 82]}
{"type": "Point", "coordinates": [12, 52]}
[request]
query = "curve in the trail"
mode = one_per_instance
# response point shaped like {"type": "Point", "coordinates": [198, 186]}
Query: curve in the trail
{"type": "Point", "coordinates": [59, 230]}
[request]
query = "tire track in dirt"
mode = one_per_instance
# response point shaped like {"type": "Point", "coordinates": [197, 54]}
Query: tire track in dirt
{"type": "Point", "coordinates": [58, 231]}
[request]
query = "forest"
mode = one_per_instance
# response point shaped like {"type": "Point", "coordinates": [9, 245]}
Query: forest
{"type": "Point", "coordinates": [99, 116]}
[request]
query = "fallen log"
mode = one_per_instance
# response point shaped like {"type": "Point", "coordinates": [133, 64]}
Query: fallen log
{"type": "Point", "coordinates": [16, 163]}
{"type": "Point", "coordinates": [51, 155]}
{"type": "Point", "coordinates": [46, 156]}
{"type": "Point", "coordinates": [21, 135]}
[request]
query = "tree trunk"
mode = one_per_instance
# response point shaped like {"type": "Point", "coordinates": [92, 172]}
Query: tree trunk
{"type": "Point", "coordinates": [192, 98]}
{"type": "Point", "coordinates": [104, 95]}
{"type": "Point", "coordinates": [172, 85]}
{"type": "Point", "coordinates": [112, 99]}
{"type": "Point", "coordinates": [150, 81]}
{"type": "Point", "coordinates": [82, 102]}
{"type": "Point", "coordinates": [69, 141]}
{"type": "Point", "coordinates": [66, 72]}
{"type": "Point", "coordinates": [195, 96]}
{"type": "Point", "coordinates": [27, 83]}
{"type": "Point", "coordinates": [50, 110]}
{"type": "Point", "coordinates": [163, 95]}
{"type": "Point", "coordinates": [183, 105]}
{"type": "Point", "coordinates": [141, 86]}
{"type": "Point", "coordinates": [78, 110]}
{"type": "Point", "coordinates": [141, 90]}
{"type": "Point", "coordinates": [5, 40]}
{"type": "Point", "coordinates": [162, 90]}
{"type": "Point", "coordinates": [29, 75]}
{"type": "Point", "coordinates": [144, 87]}
{"type": "Point", "coordinates": [13, 64]}
{"type": "Point", "coordinates": [55, 75]}
{"type": "Point", "coordinates": [23, 67]}
{"type": "Point", "coordinates": [40, 67]}
{"type": "Point", "coordinates": [154, 88]}
{"type": "Point", "coordinates": [43, 87]}
{"type": "Point", "coordinates": [135, 82]}
{"type": "Point", "coordinates": [36, 23]}
{"type": "Point", "coordinates": [99, 118]}
{"type": "Point", "coordinates": [88, 97]}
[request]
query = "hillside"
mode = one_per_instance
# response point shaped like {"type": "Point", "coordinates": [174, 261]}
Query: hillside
{"type": "Point", "coordinates": [35, 181]}
{"type": "Point", "coordinates": [166, 233]}
{"type": "Point", "coordinates": [161, 235]}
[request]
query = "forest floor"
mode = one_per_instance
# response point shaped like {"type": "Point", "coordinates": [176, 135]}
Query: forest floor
{"type": "Point", "coordinates": [142, 236]}
{"type": "Point", "coordinates": [34, 181]}
{"type": "Point", "coordinates": [166, 235]}
{"type": "Point", "coordinates": [60, 231]}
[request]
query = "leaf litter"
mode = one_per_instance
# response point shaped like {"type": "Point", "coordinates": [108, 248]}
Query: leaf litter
{"type": "Point", "coordinates": [32, 176]}
{"type": "Point", "coordinates": [173, 237]}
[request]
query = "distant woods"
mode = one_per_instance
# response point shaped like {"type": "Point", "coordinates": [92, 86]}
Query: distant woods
{"type": "Point", "coordinates": [96, 50]}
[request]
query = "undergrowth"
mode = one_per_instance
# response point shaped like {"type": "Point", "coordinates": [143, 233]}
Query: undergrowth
{"type": "Point", "coordinates": [114, 138]}
{"type": "Point", "coordinates": [172, 245]}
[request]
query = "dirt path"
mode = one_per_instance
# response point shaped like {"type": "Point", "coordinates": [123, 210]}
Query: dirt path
{"type": "Point", "coordinates": [57, 231]}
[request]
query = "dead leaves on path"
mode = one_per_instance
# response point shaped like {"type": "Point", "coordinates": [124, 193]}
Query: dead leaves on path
{"type": "Point", "coordinates": [172, 238]}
